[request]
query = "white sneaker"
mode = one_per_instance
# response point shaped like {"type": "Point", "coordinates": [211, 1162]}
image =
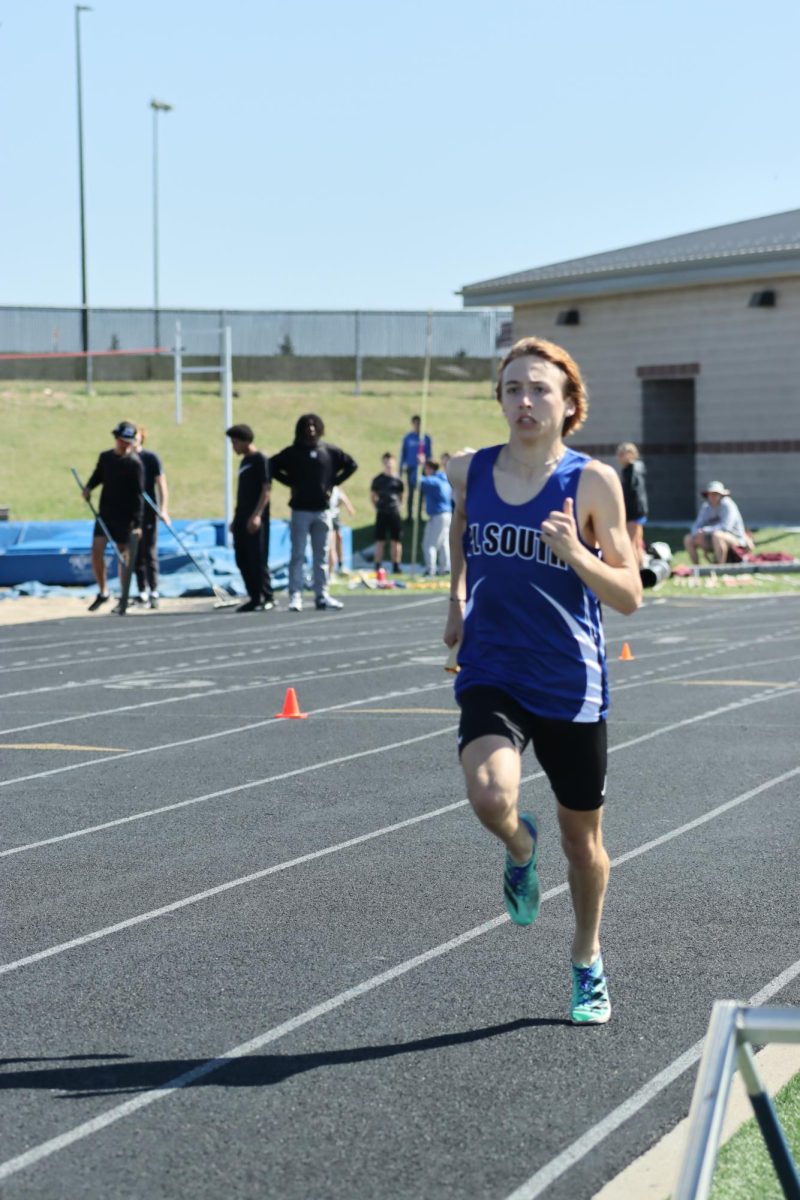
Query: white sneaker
{"type": "Point", "coordinates": [328, 602]}
{"type": "Point", "coordinates": [295, 602]}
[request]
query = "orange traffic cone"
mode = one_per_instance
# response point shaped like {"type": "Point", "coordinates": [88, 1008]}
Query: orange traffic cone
{"type": "Point", "coordinates": [291, 709]}
{"type": "Point", "coordinates": [626, 655]}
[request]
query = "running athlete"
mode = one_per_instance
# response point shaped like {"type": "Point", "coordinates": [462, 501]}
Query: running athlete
{"type": "Point", "coordinates": [538, 542]}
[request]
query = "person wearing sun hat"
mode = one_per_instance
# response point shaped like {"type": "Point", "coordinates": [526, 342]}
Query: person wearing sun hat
{"type": "Point", "coordinates": [718, 526]}
{"type": "Point", "coordinates": [121, 474]}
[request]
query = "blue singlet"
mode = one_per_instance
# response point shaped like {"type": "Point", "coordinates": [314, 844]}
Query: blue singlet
{"type": "Point", "coordinates": [531, 626]}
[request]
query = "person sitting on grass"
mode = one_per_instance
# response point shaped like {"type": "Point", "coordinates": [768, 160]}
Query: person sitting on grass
{"type": "Point", "coordinates": [718, 528]}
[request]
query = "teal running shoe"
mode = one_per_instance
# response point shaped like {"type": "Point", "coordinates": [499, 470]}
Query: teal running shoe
{"type": "Point", "coordinates": [521, 883]}
{"type": "Point", "coordinates": [590, 1002]}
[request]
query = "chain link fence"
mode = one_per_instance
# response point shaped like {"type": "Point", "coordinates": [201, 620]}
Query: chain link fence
{"type": "Point", "coordinates": [343, 345]}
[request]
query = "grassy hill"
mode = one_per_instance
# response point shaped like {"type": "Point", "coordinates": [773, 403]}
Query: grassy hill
{"type": "Point", "coordinates": [49, 427]}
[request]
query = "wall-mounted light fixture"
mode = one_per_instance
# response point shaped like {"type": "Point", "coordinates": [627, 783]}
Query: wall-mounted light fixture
{"type": "Point", "coordinates": [568, 316]}
{"type": "Point", "coordinates": [767, 299]}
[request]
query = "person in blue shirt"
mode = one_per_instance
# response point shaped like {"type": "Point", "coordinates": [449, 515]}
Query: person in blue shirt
{"type": "Point", "coordinates": [538, 541]}
{"type": "Point", "coordinates": [414, 450]}
{"type": "Point", "coordinates": [437, 496]}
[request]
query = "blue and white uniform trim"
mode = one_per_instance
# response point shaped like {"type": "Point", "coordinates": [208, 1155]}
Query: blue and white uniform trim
{"type": "Point", "coordinates": [531, 626]}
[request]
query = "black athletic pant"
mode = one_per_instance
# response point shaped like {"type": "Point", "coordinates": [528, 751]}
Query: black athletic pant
{"type": "Point", "coordinates": [252, 554]}
{"type": "Point", "coordinates": [147, 559]}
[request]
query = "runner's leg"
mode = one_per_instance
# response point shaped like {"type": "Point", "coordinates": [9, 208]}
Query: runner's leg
{"type": "Point", "coordinates": [491, 768]}
{"type": "Point", "coordinates": [582, 842]}
{"type": "Point", "coordinates": [99, 563]}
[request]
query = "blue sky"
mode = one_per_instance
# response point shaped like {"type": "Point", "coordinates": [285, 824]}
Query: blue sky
{"type": "Point", "coordinates": [380, 155]}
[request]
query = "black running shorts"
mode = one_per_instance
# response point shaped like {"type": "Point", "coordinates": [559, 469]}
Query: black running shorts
{"type": "Point", "coordinates": [119, 530]}
{"type": "Point", "coordinates": [388, 525]}
{"type": "Point", "coordinates": [572, 754]}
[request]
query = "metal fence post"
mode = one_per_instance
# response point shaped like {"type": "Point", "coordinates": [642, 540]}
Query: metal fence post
{"type": "Point", "coordinates": [226, 380]}
{"type": "Point", "coordinates": [178, 355]}
{"type": "Point", "coordinates": [708, 1103]}
{"type": "Point", "coordinates": [357, 388]}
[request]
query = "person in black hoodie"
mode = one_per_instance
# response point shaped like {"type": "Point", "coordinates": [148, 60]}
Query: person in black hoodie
{"type": "Point", "coordinates": [311, 468]}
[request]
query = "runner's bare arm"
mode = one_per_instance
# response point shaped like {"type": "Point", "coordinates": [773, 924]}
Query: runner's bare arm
{"type": "Point", "coordinates": [614, 578]}
{"type": "Point", "coordinates": [457, 471]}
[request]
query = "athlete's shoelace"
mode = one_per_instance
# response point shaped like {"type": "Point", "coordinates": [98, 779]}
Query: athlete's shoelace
{"type": "Point", "coordinates": [517, 877]}
{"type": "Point", "coordinates": [590, 986]}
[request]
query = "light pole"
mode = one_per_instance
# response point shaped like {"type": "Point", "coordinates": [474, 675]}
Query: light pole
{"type": "Point", "coordinates": [157, 107]}
{"type": "Point", "coordinates": [79, 8]}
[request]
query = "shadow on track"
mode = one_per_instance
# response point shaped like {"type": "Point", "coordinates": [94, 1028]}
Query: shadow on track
{"type": "Point", "coordinates": [110, 1078]}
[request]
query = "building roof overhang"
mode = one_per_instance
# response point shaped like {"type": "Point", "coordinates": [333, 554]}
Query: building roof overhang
{"type": "Point", "coordinates": [747, 251]}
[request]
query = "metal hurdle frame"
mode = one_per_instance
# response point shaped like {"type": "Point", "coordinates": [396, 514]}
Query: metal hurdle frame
{"type": "Point", "coordinates": [732, 1031]}
{"type": "Point", "coordinates": [224, 369]}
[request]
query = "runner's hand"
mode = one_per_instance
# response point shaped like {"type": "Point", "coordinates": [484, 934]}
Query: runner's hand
{"type": "Point", "coordinates": [560, 532]}
{"type": "Point", "coordinates": [454, 626]}
{"type": "Point", "coordinates": [254, 524]}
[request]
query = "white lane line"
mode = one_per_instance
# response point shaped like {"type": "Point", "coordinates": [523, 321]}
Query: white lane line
{"type": "Point", "coordinates": [638, 681]}
{"type": "Point", "coordinates": [153, 645]}
{"type": "Point", "coordinates": [559, 1165]}
{"type": "Point", "coordinates": [94, 936]}
{"type": "Point", "coordinates": [163, 630]}
{"type": "Point", "coordinates": [239, 787]}
{"type": "Point", "coordinates": [645, 737]}
{"type": "Point", "coordinates": [221, 662]}
{"type": "Point", "coordinates": [587, 1142]}
{"type": "Point", "coordinates": [207, 737]}
{"type": "Point", "coordinates": [144, 681]}
{"type": "Point", "coordinates": [648, 679]}
{"type": "Point", "coordinates": [154, 641]}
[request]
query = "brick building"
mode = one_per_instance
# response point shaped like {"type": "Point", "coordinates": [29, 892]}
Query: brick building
{"type": "Point", "coordinates": [690, 347]}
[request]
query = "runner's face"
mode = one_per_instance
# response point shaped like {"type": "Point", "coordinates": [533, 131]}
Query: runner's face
{"type": "Point", "coordinates": [533, 399]}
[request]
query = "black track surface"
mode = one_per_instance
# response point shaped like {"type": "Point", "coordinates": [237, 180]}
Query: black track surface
{"type": "Point", "coordinates": [458, 1076]}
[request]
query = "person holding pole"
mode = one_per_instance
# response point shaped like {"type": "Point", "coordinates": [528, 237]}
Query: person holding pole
{"type": "Point", "coordinates": [538, 542]}
{"type": "Point", "coordinates": [155, 486]}
{"type": "Point", "coordinates": [121, 474]}
{"type": "Point", "coordinates": [250, 525]}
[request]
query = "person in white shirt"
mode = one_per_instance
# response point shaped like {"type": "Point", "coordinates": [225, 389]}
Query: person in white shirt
{"type": "Point", "coordinates": [719, 525]}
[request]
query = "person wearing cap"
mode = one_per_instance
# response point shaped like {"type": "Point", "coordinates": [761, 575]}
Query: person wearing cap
{"type": "Point", "coordinates": [718, 527]}
{"type": "Point", "coordinates": [121, 474]}
{"type": "Point", "coordinates": [250, 525]}
{"type": "Point", "coordinates": [155, 486]}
